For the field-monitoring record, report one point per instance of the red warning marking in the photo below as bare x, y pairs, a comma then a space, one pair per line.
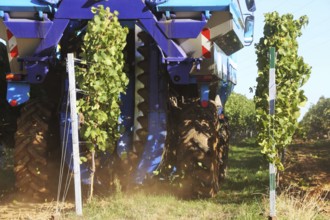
12, 45
206, 43
14, 52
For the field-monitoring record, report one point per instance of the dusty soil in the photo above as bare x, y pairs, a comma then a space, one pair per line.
308, 167
14, 209
307, 170
15, 205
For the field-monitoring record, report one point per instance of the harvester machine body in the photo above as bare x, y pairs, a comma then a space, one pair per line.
193, 41
184, 31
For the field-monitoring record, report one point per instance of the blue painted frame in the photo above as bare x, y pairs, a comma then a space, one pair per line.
53, 22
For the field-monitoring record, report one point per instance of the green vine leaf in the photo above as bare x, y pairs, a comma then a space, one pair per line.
102, 78
291, 72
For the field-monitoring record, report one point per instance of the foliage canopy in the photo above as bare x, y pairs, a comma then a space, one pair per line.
241, 113
291, 72
316, 122
102, 78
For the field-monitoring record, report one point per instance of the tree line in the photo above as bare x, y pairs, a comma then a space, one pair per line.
241, 113
316, 122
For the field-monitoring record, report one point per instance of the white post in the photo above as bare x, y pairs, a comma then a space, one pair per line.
75, 139
272, 168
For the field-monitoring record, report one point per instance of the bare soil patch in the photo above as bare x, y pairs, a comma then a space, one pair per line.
307, 170
30, 210
16, 205
308, 167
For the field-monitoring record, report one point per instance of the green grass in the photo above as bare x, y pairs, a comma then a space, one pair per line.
243, 195
247, 175
142, 206
240, 196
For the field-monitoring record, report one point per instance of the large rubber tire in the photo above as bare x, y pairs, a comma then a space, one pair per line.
198, 159
30, 153
223, 148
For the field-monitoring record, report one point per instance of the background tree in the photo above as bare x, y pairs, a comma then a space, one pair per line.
316, 122
292, 73
241, 113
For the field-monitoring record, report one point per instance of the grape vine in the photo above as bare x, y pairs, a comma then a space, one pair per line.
292, 73
102, 77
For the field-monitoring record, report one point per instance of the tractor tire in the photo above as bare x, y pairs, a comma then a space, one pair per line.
223, 148
30, 153
198, 157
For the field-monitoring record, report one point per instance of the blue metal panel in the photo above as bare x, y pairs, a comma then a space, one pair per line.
181, 28
18, 91
36, 68
194, 5
179, 72
78, 9
48, 44
127, 117
153, 151
25, 6
170, 48
81, 10
28, 28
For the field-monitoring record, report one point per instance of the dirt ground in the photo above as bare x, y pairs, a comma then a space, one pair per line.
307, 170
31, 210
14, 205
307, 167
